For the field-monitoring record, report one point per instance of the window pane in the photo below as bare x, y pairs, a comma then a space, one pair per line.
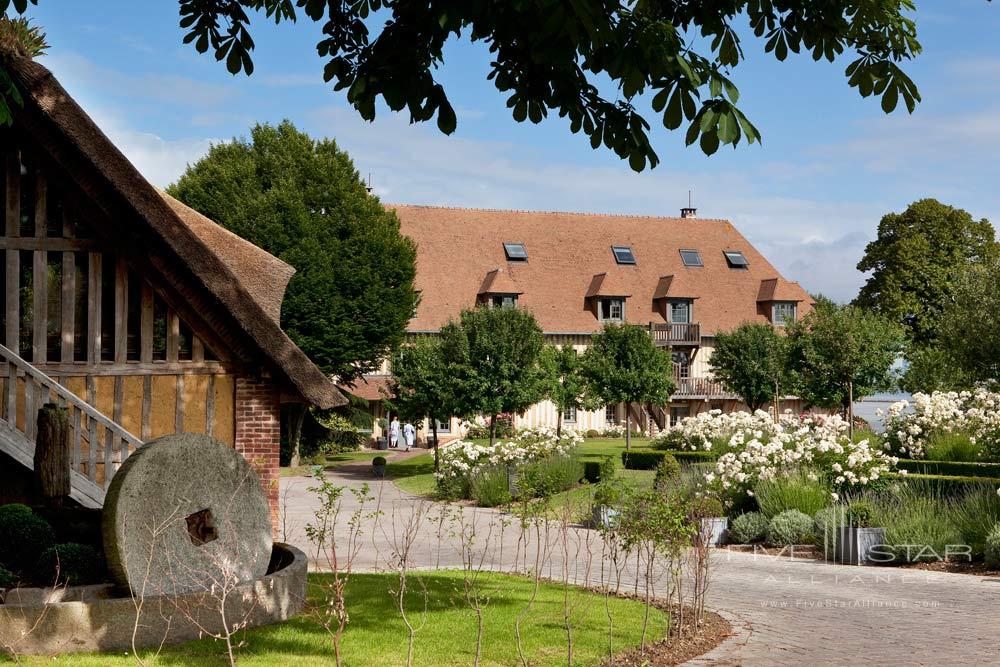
623, 254
691, 258
736, 259
516, 252
27, 222
680, 312
108, 308
80, 306
53, 333
569, 414
159, 330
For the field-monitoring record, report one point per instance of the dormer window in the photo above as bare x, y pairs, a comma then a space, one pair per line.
736, 260
516, 252
503, 301
691, 258
783, 312
679, 312
623, 254
611, 310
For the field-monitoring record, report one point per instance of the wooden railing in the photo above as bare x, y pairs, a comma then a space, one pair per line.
700, 387
675, 334
98, 444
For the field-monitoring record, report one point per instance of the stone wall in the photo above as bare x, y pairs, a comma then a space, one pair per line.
258, 433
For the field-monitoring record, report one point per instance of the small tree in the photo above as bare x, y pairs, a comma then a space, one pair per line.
623, 365
492, 362
420, 383
842, 353
752, 362
970, 323
565, 384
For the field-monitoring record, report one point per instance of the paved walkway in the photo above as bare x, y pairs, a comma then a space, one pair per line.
785, 612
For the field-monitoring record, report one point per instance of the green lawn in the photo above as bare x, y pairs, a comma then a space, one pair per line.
414, 475
329, 461
376, 635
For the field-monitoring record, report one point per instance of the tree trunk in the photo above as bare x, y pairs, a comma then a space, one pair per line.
559, 422
493, 430
52, 454
437, 457
296, 416
850, 408
628, 426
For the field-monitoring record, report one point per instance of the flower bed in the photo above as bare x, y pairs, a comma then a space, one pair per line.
910, 426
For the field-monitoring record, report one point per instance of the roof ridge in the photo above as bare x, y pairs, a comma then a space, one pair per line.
527, 210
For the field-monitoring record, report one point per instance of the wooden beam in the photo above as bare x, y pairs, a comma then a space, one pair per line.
173, 335
147, 407
94, 309
146, 332
92, 441
121, 311
49, 243
40, 306
179, 406
68, 306
13, 299
41, 205
197, 348
111, 369
13, 207
210, 406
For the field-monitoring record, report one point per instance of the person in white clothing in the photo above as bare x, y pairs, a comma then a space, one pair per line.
394, 433
409, 433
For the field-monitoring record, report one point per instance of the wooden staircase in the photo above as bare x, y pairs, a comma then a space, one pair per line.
99, 445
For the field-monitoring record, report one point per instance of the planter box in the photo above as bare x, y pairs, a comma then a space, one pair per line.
854, 545
381, 443
379, 471
605, 517
714, 530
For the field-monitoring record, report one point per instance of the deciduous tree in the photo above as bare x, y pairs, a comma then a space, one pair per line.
752, 362
623, 365
970, 323
420, 385
597, 63
565, 384
492, 360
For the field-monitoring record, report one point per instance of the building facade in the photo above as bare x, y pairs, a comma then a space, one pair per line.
685, 278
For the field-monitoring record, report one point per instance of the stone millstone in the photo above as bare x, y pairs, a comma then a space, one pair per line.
186, 513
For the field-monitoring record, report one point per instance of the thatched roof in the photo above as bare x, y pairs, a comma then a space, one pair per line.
244, 281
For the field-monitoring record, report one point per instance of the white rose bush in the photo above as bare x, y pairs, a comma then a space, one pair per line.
911, 425
753, 447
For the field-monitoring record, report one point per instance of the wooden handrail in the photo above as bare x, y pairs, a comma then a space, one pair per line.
670, 332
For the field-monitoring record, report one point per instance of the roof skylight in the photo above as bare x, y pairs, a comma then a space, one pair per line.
691, 258
516, 252
736, 259
623, 254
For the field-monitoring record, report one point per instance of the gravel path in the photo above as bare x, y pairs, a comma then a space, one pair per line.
785, 612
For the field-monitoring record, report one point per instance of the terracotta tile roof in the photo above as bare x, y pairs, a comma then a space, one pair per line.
610, 283
247, 283
499, 281
779, 289
456, 247
680, 286
369, 387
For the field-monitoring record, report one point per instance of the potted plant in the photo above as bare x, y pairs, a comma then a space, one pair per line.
710, 519
378, 466
609, 496
858, 539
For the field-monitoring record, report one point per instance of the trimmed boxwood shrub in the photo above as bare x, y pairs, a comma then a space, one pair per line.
591, 434
592, 471
790, 527
76, 564
951, 468
992, 551
636, 460
667, 471
692, 456
946, 485
748, 527
378, 461
706, 507
23, 537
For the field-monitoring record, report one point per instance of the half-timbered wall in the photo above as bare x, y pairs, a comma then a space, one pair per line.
82, 314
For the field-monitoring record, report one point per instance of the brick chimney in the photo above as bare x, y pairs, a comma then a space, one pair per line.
689, 212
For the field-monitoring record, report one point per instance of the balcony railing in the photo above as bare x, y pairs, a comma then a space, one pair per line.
675, 334
698, 387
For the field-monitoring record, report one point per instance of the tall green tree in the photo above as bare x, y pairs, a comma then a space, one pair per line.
970, 323
933, 368
303, 201
843, 353
420, 386
493, 362
565, 385
598, 63
752, 362
623, 365
914, 262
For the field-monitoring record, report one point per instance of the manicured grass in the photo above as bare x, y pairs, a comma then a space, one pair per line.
376, 634
414, 475
597, 448
329, 461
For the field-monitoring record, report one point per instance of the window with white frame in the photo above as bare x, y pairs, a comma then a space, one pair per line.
569, 414
611, 414
783, 312
679, 312
443, 426
611, 310
503, 301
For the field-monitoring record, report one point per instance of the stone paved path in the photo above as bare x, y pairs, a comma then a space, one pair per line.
785, 612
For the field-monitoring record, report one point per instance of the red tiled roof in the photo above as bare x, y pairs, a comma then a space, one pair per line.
369, 387
566, 251
779, 289
499, 281
680, 286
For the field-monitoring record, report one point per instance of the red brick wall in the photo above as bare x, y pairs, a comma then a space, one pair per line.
258, 433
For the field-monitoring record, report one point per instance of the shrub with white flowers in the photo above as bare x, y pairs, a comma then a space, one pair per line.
754, 447
461, 458
909, 425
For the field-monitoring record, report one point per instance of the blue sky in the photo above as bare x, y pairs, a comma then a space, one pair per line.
810, 197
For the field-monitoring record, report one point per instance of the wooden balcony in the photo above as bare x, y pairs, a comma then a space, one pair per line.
698, 387
675, 334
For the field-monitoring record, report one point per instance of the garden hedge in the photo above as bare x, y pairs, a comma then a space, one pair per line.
951, 468
649, 460
946, 484
592, 471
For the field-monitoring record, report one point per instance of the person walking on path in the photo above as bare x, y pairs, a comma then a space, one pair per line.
409, 433
394, 433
